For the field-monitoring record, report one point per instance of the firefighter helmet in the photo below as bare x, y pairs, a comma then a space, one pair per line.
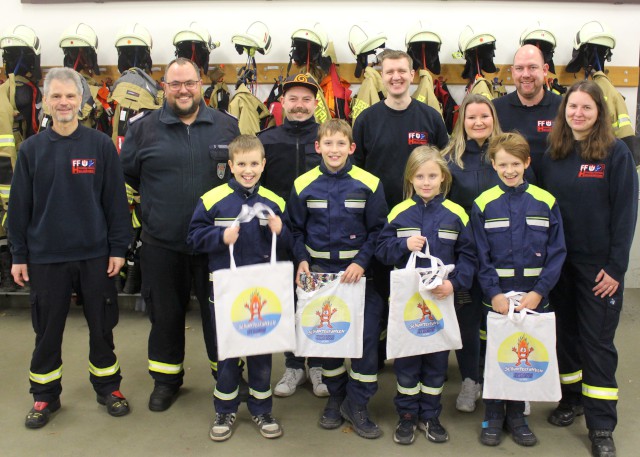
21, 52
79, 44
134, 45
365, 40
469, 39
256, 38
592, 45
423, 45
542, 38
478, 49
20, 36
195, 43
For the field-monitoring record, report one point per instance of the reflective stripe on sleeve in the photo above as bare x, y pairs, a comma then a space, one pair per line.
505, 272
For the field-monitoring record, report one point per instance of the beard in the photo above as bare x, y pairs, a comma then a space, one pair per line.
182, 111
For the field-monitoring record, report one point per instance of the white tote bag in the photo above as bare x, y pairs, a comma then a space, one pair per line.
419, 323
330, 320
254, 310
521, 362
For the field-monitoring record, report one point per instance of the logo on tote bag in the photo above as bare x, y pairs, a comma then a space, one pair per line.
422, 317
523, 358
326, 320
256, 312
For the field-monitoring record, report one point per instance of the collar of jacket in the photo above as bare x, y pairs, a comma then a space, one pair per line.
546, 99
54, 136
299, 127
437, 200
168, 116
514, 190
474, 148
342, 172
246, 193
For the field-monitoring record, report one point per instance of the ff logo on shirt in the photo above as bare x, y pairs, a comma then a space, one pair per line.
83, 166
544, 126
591, 170
418, 138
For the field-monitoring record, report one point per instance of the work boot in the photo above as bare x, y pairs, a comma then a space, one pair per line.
162, 397
565, 414
602, 443
41, 412
331, 417
134, 279
7, 284
115, 402
359, 418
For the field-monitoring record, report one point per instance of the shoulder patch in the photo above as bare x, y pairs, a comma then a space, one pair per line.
364, 177
269, 195
304, 180
488, 196
541, 195
399, 208
457, 210
215, 195
140, 115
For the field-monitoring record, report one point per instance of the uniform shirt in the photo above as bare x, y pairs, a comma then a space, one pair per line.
533, 122
68, 201
290, 151
336, 217
216, 211
444, 224
599, 205
171, 165
385, 137
519, 238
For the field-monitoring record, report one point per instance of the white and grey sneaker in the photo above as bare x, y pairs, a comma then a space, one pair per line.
222, 427
527, 408
319, 388
268, 426
292, 378
469, 394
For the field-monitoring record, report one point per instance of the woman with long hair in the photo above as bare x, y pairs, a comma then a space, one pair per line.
593, 177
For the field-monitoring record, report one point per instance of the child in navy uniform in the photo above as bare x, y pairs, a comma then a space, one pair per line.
518, 232
426, 216
336, 212
210, 231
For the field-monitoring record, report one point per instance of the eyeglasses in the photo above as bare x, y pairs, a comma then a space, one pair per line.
176, 85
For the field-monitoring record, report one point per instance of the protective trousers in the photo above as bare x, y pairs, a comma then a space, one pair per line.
469, 313
51, 288
362, 381
225, 395
167, 277
587, 357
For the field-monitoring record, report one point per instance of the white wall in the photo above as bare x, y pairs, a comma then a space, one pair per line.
505, 21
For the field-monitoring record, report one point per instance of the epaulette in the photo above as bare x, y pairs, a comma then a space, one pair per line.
140, 115
266, 130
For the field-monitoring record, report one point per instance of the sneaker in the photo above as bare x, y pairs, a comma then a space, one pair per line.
602, 444
491, 434
527, 408
469, 394
406, 429
434, 430
319, 388
41, 412
359, 418
115, 402
292, 378
268, 426
565, 414
222, 426
520, 431
331, 417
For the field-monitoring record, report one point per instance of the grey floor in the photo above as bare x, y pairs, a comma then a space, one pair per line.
83, 428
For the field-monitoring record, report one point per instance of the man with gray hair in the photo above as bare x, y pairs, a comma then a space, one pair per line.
69, 229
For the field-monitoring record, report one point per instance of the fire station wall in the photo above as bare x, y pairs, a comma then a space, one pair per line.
505, 20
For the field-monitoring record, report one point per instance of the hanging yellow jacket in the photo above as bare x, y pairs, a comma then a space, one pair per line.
620, 119
368, 94
220, 91
483, 87
248, 109
322, 112
425, 93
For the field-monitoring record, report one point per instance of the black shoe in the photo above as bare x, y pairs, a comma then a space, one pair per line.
491, 434
41, 412
115, 402
162, 397
359, 418
434, 430
520, 431
565, 414
243, 390
406, 429
602, 443
331, 417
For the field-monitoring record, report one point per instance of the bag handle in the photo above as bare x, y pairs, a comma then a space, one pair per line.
433, 276
247, 213
514, 300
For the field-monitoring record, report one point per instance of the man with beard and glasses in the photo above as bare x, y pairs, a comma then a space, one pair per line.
69, 230
290, 152
172, 156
